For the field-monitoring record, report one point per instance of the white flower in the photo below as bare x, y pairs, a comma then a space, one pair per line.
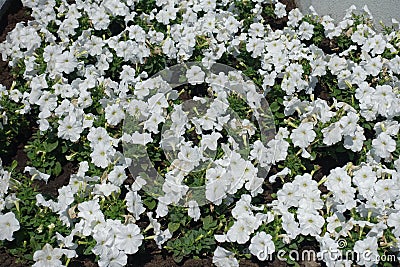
349, 123
241, 229
98, 136
335, 221
394, 221
156, 103
194, 210
210, 140
50, 257
138, 138
306, 30
224, 258
303, 135
66, 62
128, 238
117, 176
337, 177
310, 224
367, 249
337, 64
105, 189
262, 246
280, 10
257, 30
215, 192
8, 225
256, 46
195, 75
69, 128
383, 145
152, 123
166, 14
373, 66
243, 207
290, 225
365, 179
114, 114
37, 174
99, 156
355, 143
113, 257
90, 210
277, 151
289, 194
134, 204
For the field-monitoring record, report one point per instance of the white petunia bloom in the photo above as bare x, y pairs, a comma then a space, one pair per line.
242, 229
49, 256
262, 246
37, 174
194, 210
367, 249
134, 204
280, 10
128, 238
114, 114
303, 135
195, 75
8, 225
224, 258
70, 128
383, 145
113, 257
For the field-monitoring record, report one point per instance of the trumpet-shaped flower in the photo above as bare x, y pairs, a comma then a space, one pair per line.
8, 225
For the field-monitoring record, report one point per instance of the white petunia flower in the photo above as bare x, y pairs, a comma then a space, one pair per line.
134, 204
303, 135
224, 258
195, 75
113, 257
128, 238
280, 10
194, 210
37, 174
262, 246
383, 145
8, 225
49, 256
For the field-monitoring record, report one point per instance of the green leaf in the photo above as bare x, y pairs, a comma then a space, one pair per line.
51, 146
173, 226
150, 203
88, 251
177, 257
209, 223
14, 164
274, 107
57, 169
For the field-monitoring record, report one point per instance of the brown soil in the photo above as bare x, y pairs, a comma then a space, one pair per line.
52, 186
6, 260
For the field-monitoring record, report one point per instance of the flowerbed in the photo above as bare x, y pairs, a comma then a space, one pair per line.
237, 131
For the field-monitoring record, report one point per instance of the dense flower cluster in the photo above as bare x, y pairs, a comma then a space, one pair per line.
82, 68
